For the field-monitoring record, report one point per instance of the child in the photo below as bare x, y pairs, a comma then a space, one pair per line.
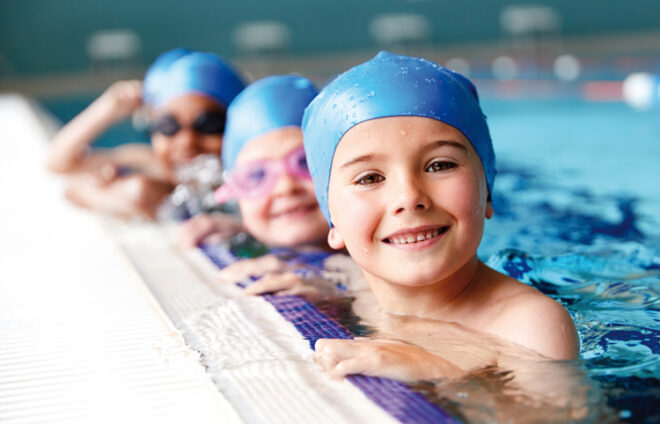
266, 172
403, 168
186, 94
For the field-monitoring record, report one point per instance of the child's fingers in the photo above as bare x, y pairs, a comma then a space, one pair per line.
234, 272
271, 283
326, 361
242, 269
339, 349
192, 231
356, 365
342, 357
307, 292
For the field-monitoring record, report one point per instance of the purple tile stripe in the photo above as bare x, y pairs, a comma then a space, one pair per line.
396, 398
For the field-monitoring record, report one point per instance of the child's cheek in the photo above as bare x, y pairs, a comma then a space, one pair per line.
358, 216
255, 215
470, 202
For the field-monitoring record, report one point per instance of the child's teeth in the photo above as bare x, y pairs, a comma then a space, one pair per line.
414, 238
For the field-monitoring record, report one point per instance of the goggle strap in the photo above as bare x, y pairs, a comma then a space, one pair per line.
224, 193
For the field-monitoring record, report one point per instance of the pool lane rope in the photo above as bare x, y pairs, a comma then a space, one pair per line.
397, 399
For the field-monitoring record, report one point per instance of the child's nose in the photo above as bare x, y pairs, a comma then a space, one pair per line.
186, 143
409, 196
287, 184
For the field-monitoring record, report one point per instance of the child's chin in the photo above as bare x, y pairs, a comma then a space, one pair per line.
296, 237
409, 278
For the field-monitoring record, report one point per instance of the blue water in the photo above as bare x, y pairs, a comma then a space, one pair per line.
578, 216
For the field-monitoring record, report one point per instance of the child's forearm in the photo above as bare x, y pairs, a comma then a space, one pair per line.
69, 144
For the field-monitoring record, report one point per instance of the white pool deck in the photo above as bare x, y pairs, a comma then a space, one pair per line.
105, 321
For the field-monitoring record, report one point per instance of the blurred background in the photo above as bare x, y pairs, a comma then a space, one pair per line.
65, 48
560, 80
570, 87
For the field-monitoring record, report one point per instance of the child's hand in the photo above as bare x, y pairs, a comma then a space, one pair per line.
207, 228
239, 271
289, 283
381, 358
121, 99
143, 194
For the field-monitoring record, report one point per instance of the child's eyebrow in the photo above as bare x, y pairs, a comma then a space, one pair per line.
363, 158
442, 143
431, 146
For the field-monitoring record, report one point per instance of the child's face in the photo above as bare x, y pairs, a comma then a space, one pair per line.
187, 126
289, 214
398, 179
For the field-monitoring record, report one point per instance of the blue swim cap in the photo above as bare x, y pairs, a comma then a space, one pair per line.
385, 86
182, 71
268, 104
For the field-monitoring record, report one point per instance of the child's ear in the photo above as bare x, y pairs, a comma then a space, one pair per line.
335, 240
489, 210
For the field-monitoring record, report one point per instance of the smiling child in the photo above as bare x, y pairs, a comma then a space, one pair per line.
186, 94
403, 168
266, 173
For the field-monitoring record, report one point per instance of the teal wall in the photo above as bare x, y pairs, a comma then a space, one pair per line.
48, 36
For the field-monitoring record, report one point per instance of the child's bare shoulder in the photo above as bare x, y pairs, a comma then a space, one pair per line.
534, 320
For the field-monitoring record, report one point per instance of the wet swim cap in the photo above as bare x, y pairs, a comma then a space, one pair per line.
385, 86
268, 104
182, 71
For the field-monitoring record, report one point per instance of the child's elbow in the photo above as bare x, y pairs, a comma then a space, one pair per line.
57, 165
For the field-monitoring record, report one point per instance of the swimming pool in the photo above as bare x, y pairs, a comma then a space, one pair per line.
577, 216
577, 213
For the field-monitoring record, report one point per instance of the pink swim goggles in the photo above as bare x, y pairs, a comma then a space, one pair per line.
257, 179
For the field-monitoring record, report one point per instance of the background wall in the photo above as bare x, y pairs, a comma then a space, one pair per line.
40, 37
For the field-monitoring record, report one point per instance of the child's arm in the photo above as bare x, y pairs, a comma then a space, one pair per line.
539, 323
382, 358
67, 151
240, 270
132, 195
207, 228
277, 276
313, 289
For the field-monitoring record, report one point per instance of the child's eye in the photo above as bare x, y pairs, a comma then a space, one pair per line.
369, 179
439, 166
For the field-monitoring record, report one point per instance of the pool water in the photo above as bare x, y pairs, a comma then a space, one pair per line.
577, 208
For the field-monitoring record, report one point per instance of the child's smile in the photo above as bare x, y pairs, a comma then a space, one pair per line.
295, 210
408, 199
416, 238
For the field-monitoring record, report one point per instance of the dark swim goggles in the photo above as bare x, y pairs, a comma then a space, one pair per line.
209, 122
